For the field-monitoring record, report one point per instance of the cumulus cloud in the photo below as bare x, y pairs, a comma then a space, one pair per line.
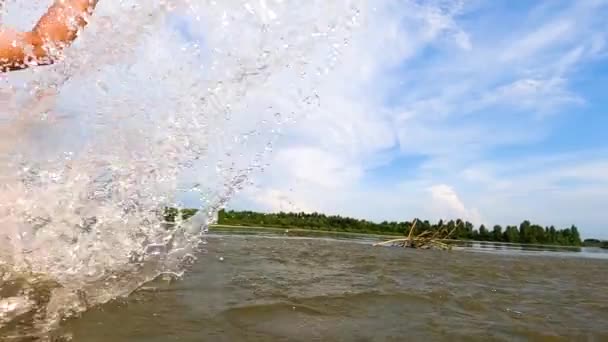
277, 200
318, 168
446, 203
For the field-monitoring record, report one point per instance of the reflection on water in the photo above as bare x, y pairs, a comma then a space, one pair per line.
513, 248
477, 246
271, 288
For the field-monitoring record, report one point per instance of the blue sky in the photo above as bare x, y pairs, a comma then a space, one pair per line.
493, 111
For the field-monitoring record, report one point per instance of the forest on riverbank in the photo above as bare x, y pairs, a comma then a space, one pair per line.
525, 232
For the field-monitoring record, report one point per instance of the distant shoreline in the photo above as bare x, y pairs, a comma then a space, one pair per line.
299, 229
526, 233
379, 236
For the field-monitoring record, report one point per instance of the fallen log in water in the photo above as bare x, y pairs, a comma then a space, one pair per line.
425, 240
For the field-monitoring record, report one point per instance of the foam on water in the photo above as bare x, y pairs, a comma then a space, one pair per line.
155, 102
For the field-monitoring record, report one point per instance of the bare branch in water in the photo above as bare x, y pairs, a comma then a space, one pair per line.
425, 240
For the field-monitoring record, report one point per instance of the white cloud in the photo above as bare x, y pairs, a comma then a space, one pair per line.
534, 95
561, 189
447, 204
276, 200
317, 167
540, 39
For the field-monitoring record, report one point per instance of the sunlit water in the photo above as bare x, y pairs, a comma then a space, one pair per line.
156, 101
281, 287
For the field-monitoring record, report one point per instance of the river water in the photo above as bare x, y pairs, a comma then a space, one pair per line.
269, 287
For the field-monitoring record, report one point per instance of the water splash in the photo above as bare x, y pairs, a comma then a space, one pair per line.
155, 103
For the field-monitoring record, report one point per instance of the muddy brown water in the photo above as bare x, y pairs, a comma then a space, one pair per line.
272, 288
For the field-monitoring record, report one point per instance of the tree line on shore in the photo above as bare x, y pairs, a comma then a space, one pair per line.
526, 232
595, 243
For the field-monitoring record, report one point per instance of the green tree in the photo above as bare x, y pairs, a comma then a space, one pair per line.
552, 235
575, 238
511, 234
484, 234
497, 233
468, 230
538, 233
525, 233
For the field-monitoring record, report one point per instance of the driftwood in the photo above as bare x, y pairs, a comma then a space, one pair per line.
425, 240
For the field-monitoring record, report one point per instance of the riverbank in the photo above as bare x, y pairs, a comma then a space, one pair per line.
526, 232
294, 230
380, 237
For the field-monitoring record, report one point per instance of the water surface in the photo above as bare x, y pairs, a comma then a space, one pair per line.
273, 288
